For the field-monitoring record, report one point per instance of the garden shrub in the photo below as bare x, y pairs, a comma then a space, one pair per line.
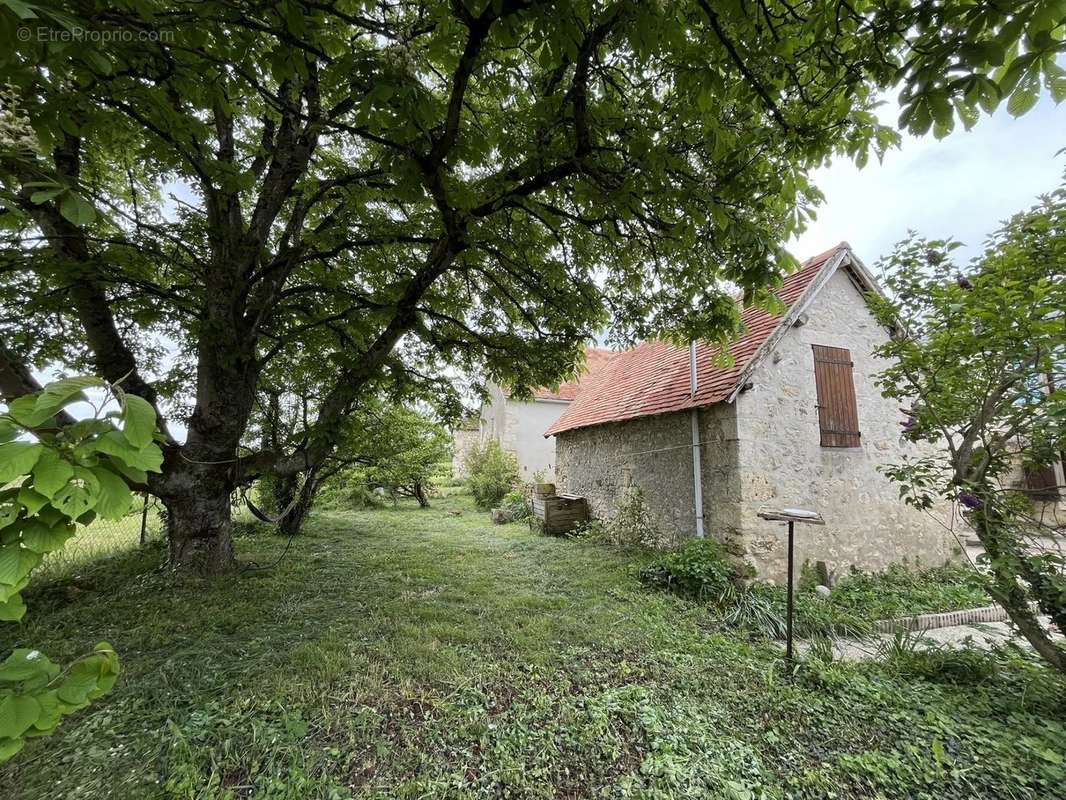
903, 591
632, 525
909, 654
516, 504
491, 473
700, 569
704, 570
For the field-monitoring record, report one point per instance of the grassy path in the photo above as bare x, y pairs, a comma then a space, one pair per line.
419, 654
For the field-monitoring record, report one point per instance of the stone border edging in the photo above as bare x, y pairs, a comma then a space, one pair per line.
945, 619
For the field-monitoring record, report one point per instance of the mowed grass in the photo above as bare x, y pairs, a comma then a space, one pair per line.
407, 653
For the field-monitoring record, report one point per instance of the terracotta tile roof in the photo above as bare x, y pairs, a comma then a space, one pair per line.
595, 358
653, 378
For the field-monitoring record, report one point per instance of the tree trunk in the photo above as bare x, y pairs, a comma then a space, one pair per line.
294, 504
1008, 565
420, 495
198, 528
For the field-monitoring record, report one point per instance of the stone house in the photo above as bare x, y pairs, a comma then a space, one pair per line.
519, 425
796, 421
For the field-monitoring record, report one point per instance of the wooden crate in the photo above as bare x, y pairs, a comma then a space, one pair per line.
560, 514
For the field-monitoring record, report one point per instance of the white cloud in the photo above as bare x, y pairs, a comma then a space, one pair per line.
961, 186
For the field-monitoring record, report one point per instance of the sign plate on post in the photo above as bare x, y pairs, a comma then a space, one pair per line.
791, 516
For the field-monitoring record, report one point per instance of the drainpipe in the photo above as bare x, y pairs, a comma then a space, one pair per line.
697, 471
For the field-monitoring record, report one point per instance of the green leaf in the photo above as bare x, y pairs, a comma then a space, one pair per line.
16, 563
13, 609
1025, 95
8, 430
25, 664
90, 677
31, 500
59, 393
115, 497
22, 410
9, 512
114, 443
76, 209
9, 747
44, 195
79, 495
51, 473
17, 714
17, 459
40, 538
51, 711
138, 419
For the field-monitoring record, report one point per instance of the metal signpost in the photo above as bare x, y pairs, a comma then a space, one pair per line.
791, 516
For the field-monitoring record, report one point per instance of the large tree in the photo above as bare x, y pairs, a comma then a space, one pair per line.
217, 183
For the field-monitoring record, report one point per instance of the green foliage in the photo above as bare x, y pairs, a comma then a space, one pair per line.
982, 371
910, 654
63, 476
901, 591
389, 447
633, 526
516, 503
700, 569
491, 473
651, 157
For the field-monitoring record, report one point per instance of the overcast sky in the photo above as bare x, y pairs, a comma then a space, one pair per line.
961, 186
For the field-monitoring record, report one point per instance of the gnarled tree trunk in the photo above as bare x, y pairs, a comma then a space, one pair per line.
198, 529
294, 502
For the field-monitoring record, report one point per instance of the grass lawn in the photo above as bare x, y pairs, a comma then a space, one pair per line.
408, 653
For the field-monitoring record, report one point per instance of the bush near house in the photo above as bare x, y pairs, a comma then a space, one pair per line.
703, 570
491, 473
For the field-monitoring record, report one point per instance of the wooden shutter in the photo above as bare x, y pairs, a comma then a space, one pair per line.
838, 414
1042, 483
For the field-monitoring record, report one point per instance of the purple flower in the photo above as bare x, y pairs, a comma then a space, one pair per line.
970, 500
907, 424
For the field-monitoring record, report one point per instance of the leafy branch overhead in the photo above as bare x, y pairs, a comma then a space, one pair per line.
427, 188
56, 478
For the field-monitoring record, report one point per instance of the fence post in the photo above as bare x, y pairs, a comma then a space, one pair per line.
144, 520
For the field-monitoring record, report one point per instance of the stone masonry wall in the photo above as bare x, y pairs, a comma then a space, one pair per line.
783, 464
655, 454
599, 463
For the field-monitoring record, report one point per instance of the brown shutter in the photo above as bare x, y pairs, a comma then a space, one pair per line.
1042, 483
838, 413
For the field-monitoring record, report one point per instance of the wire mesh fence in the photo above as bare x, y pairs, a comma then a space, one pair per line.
102, 538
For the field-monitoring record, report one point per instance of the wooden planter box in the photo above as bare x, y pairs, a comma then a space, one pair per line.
544, 490
560, 514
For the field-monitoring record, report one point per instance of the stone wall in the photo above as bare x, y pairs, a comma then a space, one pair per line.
599, 463
463, 441
654, 454
783, 463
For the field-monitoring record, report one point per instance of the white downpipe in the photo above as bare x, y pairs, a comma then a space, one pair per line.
697, 470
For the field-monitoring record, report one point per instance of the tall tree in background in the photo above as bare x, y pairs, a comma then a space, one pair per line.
476, 184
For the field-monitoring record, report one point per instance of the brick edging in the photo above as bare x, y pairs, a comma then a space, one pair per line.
945, 619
